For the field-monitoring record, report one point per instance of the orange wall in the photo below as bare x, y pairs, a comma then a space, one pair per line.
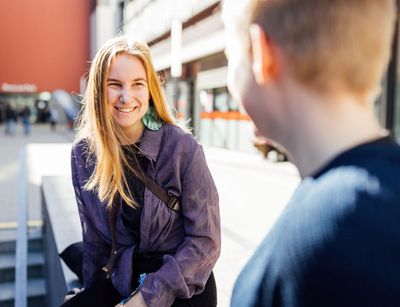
44, 42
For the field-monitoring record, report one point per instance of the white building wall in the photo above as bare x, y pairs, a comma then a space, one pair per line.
200, 40
146, 19
103, 23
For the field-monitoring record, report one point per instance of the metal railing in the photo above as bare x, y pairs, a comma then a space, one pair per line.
21, 277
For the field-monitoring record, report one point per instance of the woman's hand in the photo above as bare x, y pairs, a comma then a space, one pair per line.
72, 293
135, 301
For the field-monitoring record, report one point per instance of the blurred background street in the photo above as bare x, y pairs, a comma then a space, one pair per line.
252, 191
47, 47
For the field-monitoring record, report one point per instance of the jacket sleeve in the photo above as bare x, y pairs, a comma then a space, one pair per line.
185, 274
95, 250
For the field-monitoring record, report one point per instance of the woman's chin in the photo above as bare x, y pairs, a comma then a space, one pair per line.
129, 124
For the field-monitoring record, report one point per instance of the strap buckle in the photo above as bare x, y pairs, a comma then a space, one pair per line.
173, 204
106, 270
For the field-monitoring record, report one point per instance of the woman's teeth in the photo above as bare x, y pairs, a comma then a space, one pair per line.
125, 110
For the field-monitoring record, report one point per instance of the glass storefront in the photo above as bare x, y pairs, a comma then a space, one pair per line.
222, 122
396, 107
396, 128
178, 94
387, 106
36, 103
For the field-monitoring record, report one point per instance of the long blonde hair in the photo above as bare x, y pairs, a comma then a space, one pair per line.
97, 127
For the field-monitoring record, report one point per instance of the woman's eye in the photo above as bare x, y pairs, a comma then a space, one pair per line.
138, 84
113, 84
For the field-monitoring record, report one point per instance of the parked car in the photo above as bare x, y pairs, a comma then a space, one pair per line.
269, 149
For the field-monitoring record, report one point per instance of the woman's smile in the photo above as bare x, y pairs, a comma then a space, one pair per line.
125, 109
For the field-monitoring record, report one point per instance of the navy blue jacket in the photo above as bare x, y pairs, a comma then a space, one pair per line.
337, 242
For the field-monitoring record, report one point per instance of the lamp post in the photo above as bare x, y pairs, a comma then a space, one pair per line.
176, 60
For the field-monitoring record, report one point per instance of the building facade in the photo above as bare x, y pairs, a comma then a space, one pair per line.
199, 91
187, 44
45, 47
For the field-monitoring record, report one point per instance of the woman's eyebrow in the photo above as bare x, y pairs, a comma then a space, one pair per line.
134, 80
139, 79
112, 80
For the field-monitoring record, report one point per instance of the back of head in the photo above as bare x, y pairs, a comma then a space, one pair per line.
331, 45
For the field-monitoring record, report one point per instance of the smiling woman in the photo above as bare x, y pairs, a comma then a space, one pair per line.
122, 77
156, 248
128, 94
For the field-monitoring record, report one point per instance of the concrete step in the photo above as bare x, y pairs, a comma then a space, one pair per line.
7, 266
35, 244
35, 301
8, 247
36, 293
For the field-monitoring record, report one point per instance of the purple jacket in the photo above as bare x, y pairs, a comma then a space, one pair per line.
192, 240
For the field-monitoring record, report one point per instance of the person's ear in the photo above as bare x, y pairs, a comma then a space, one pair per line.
264, 59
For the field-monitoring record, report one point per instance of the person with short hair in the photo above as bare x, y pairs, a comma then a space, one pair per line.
308, 73
138, 249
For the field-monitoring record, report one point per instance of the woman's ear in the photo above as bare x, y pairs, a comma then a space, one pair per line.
264, 59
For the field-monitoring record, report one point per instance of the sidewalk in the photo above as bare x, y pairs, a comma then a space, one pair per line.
10, 147
253, 192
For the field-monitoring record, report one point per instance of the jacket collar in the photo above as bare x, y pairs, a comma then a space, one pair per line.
150, 143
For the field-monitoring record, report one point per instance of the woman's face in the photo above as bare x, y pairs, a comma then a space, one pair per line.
127, 92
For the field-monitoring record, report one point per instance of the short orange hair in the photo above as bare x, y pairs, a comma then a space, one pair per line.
331, 44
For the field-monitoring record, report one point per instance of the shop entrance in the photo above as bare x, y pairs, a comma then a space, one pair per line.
37, 103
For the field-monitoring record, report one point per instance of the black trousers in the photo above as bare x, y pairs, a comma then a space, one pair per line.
103, 293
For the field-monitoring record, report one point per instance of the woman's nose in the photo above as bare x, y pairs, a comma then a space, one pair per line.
125, 96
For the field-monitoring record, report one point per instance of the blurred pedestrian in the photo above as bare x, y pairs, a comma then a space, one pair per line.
144, 191
308, 73
70, 122
11, 119
53, 118
25, 116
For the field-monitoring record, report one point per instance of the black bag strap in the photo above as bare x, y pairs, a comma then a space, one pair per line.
112, 219
171, 201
